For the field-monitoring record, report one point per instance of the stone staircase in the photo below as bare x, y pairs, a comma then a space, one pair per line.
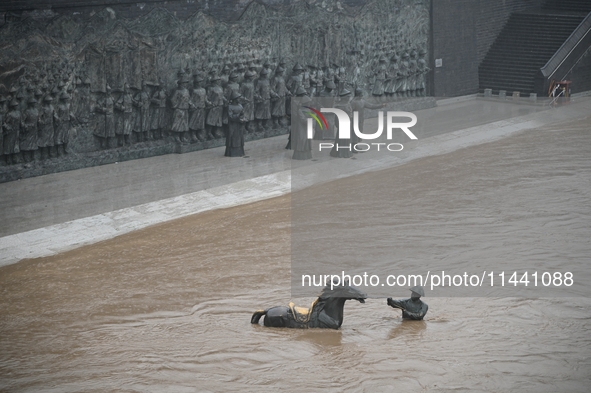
526, 43
567, 6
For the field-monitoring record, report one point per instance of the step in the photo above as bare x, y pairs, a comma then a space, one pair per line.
518, 37
534, 33
555, 23
501, 79
525, 47
543, 16
514, 78
515, 61
526, 36
522, 78
530, 74
509, 71
525, 50
506, 81
508, 68
506, 75
520, 52
513, 81
566, 5
582, 10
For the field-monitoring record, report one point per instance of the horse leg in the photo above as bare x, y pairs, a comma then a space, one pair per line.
257, 316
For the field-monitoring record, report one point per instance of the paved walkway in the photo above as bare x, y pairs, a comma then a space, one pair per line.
54, 213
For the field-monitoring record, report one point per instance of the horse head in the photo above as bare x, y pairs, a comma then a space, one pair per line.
345, 291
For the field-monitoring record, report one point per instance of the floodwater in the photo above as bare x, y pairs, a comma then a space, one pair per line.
167, 309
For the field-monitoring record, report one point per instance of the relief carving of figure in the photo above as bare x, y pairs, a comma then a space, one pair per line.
63, 124
105, 129
225, 76
380, 74
3, 110
47, 118
319, 81
328, 98
217, 101
306, 83
263, 100
158, 119
230, 87
313, 75
11, 129
329, 75
239, 70
393, 75
422, 70
82, 100
267, 66
29, 131
22, 93
142, 122
180, 104
293, 84
197, 112
340, 78
278, 102
124, 124
247, 92
412, 73
404, 73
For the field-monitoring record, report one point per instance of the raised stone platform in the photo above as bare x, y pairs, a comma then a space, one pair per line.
152, 148
403, 104
136, 151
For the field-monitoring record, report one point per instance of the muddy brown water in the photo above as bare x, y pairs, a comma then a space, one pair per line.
167, 309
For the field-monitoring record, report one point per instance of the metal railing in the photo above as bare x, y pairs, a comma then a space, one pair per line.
567, 56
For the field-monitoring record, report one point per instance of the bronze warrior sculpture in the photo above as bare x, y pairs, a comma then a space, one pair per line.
413, 308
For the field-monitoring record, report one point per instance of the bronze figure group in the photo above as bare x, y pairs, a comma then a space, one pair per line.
327, 310
35, 119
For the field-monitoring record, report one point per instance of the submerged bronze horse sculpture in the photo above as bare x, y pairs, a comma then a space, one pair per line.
325, 312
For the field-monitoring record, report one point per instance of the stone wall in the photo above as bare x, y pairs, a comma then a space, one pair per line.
463, 31
96, 52
221, 10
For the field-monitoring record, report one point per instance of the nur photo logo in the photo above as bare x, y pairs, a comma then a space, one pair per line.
350, 134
